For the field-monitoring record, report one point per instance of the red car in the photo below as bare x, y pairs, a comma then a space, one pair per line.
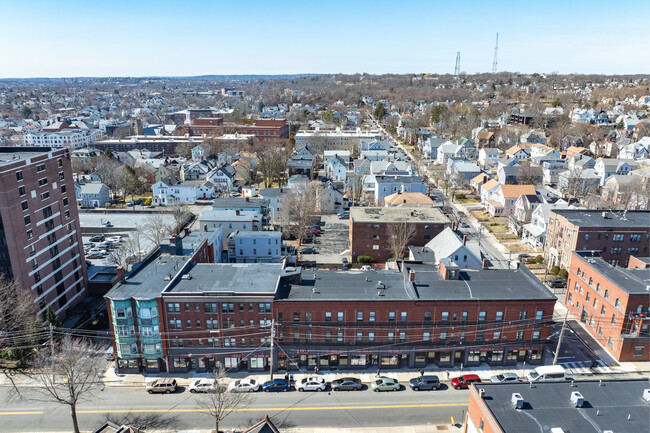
463, 382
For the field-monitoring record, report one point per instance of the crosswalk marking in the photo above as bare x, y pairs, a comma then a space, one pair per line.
584, 367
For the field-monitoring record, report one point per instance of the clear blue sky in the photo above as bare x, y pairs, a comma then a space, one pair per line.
192, 37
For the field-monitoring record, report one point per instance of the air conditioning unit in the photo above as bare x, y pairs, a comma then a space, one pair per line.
577, 399
517, 400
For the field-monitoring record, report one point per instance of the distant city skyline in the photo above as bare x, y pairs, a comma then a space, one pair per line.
72, 38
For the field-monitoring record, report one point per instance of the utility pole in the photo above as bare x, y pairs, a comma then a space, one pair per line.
559, 341
271, 354
457, 68
52, 349
494, 63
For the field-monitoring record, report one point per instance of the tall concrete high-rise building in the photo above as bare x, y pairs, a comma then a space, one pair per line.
40, 235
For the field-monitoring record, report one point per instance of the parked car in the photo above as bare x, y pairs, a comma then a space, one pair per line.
505, 377
462, 382
130, 203
344, 261
98, 238
94, 256
311, 384
243, 385
89, 245
343, 215
276, 385
308, 251
366, 268
424, 382
203, 385
556, 284
165, 386
115, 239
107, 224
385, 384
105, 244
346, 384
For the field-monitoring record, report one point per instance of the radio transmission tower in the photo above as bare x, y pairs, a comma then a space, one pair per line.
457, 69
496, 49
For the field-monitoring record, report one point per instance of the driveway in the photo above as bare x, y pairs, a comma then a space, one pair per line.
334, 240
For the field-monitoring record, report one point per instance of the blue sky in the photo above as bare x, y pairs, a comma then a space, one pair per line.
191, 37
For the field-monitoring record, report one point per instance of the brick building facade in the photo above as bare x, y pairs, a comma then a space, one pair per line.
40, 236
618, 235
370, 228
612, 302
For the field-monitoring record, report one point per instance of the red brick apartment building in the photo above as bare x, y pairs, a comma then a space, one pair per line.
618, 235
612, 302
264, 130
370, 228
40, 236
176, 315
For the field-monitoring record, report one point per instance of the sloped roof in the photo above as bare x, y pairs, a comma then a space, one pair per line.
408, 198
512, 191
264, 426
490, 184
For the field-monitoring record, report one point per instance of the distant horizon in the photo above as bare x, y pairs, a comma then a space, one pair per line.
162, 38
309, 74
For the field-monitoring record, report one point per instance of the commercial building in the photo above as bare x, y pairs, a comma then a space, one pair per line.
166, 145
74, 138
618, 235
371, 228
40, 236
612, 302
619, 406
179, 313
336, 140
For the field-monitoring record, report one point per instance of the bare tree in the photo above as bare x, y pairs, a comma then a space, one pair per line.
399, 237
272, 163
528, 174
69, 376
577, 185
156, 228
180, 215
18, 316
221, 402
298, 208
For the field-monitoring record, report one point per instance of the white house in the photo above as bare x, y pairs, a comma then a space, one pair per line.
198, 153
248, 246
230, 220
449, 245
488, 157
275, 197
449, 150
336, 169
170, 195
222, 177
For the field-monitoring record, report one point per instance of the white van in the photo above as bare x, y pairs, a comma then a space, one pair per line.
548, 373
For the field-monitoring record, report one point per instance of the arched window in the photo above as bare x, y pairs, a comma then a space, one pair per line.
606, 294
598, 288
617, 303
591, 280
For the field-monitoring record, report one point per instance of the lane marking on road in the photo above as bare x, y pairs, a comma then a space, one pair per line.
268, 409
22, 413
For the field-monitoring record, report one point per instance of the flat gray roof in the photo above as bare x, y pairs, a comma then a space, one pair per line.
594, 218
240, 278
548, 405
416, 214
429, 285
632, 281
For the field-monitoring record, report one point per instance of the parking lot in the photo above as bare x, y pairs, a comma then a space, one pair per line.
334, 240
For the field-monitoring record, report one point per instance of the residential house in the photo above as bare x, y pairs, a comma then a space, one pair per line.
362, 166
249, 246
533, 136
465, 169
605, 168
505, 197
93, 194
507, 174
387, 185
174, 194
534, 232
275, 197
488, 157
430, 147
571, 141
468, 146
449, 150
223, 177
539, 152
230, 220
619, 189
518, 152
551, 171
486, 138
196, 170
337, 169
198, 153
489, 189
638, 150
303, 165
449, 245
376, 155
391, 168
575, 150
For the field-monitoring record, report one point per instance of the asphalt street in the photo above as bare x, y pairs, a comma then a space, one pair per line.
291, 409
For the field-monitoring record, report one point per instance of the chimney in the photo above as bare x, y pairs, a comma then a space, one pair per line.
248, 199
236, 211
464, 239
205, 227
281, 191
411, 275
187, 232
120, 273
604, 215
485, 263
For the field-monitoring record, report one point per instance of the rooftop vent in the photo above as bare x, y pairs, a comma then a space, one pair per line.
168, 277
646, 395
380, 285
481, 392
577, 399
380, 293
186, 277
517, 400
